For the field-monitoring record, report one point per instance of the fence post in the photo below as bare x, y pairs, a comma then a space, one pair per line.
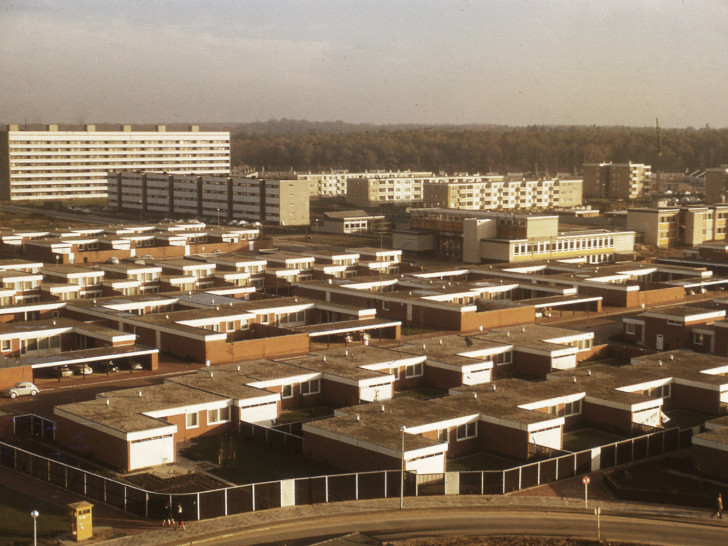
146, 505
226, 495
503, 480
253, 496
538, 473
356, 486
125, 498
84, 483
48, 470
520, 477
326, 481
385, 484
198, 506
632, 459
65, 480
104, 490
482, 481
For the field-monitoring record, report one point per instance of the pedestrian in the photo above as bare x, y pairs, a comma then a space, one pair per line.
718, 507
180, 520
167, 516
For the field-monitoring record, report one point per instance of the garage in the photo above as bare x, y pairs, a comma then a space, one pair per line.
146, 452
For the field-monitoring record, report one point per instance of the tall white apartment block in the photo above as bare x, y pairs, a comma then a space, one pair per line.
53, 164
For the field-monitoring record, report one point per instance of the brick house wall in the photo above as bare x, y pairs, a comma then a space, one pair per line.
85, 440
694, 399
614, 419
345, 456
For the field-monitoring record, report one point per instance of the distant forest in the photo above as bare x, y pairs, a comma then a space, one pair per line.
282, 145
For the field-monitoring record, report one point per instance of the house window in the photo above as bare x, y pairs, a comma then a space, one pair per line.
630, 328
674, 322
698, 338
443, 435
5, 345
220, 415
572, 408
467, 431
385, 306
191, 420
287, 391
395, 373
415, 370
230, 326
311, 387
503, 358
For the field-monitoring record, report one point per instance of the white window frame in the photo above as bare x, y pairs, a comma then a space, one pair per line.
467, 431
192, 416
630, 328
414, 370
219, 415
311, 387
283, 391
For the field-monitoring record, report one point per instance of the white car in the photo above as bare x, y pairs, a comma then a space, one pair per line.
83, 369
22, 389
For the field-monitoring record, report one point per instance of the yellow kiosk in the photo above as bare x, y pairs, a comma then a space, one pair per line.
81, 520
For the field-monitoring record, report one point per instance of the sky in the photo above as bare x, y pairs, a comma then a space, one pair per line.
506, 62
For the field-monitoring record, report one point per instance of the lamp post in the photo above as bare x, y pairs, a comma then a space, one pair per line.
218, 217
141, 204
34, 514
401, 475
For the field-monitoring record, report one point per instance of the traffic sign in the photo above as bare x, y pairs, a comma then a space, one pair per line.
586, 480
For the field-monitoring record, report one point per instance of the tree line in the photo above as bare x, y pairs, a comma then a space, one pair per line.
282, 145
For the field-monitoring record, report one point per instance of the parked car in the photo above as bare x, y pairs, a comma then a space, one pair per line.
135, 365
107, 367
24, 388
83, 369
62, 371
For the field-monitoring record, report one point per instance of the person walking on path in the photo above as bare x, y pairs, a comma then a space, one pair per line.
718, 507
167, 516
181, 521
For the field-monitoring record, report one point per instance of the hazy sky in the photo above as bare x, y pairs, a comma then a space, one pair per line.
515, 62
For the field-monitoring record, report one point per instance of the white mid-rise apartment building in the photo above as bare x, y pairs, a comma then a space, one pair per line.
334, 183
221, 198
53, 164
497, 193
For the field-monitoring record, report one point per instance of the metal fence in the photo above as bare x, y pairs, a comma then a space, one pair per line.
342, 487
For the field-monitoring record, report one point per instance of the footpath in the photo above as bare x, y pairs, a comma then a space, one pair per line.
116, 528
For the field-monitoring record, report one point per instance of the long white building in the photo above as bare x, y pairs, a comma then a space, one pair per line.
283, 202
53, 164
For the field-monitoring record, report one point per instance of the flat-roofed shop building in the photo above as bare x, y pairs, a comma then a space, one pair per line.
53, 164
477, 237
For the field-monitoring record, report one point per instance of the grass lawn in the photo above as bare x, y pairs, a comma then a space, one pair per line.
588, 438
16, 525
480, 461
255, 462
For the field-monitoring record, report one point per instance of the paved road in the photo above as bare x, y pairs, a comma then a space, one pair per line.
442, 516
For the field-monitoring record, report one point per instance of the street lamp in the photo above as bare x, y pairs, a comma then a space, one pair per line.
401, 474
34, 514
218, 217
